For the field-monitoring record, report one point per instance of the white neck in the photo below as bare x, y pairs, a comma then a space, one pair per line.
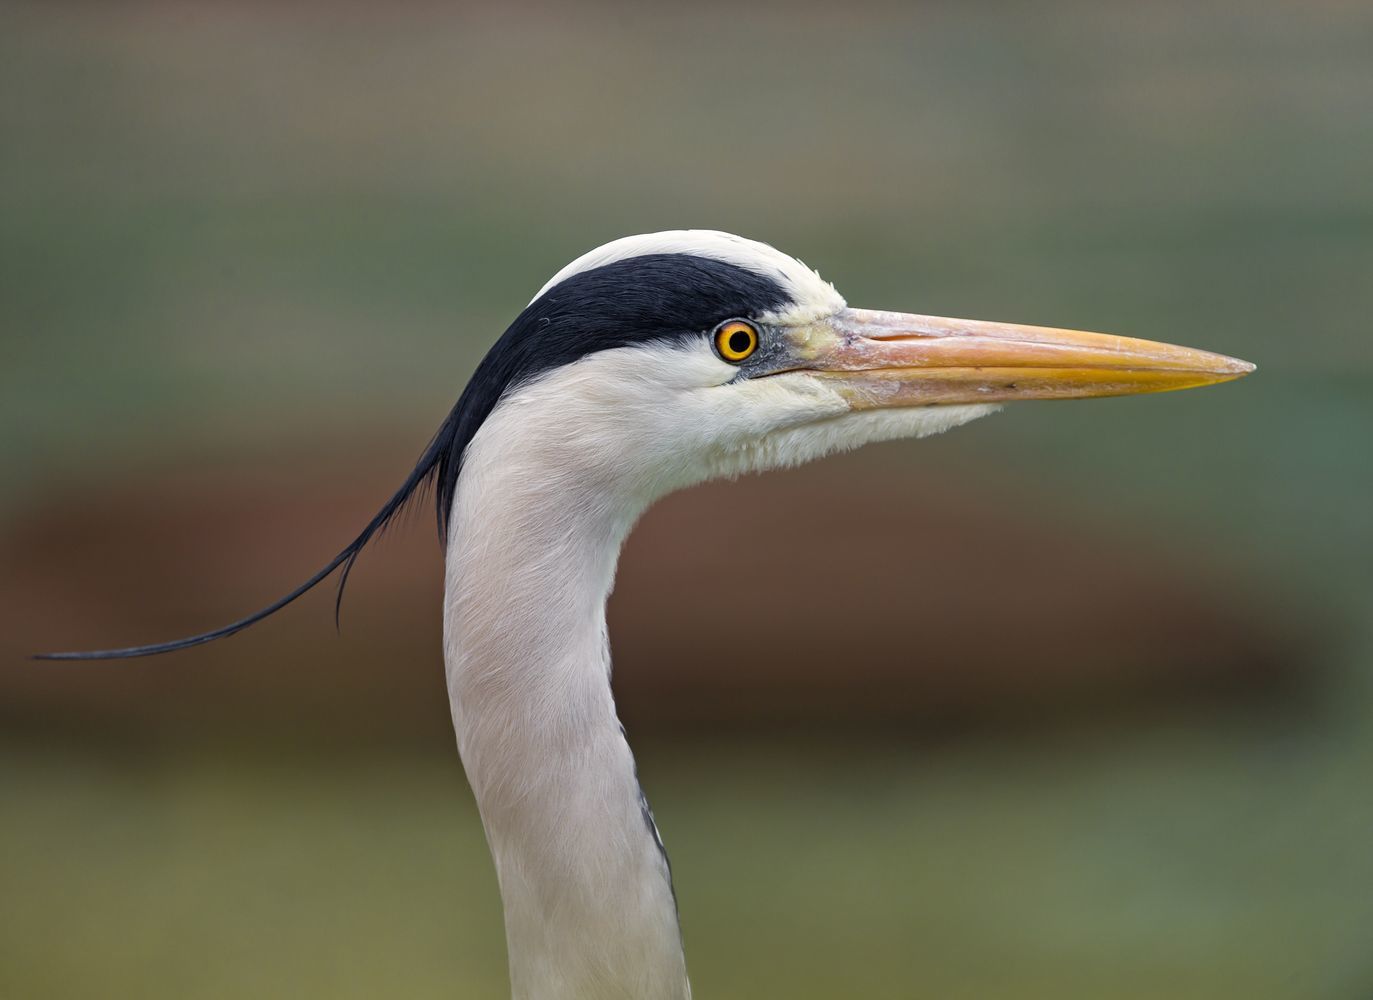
550, 486
534, 539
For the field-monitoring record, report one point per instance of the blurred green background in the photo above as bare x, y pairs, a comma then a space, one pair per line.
1106, 726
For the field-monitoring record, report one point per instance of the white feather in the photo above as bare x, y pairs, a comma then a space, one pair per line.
551, 486
814, 297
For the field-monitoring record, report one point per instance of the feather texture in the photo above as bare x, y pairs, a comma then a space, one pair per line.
622, 301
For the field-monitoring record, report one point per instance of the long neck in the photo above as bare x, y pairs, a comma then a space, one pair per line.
589, 908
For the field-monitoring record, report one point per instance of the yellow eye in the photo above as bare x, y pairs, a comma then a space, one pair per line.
736, 340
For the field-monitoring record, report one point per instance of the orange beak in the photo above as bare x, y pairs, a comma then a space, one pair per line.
888, 359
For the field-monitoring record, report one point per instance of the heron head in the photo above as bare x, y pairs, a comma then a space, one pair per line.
658, 361
675, 357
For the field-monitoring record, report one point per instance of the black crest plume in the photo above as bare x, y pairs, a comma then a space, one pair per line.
432, 463
652, 297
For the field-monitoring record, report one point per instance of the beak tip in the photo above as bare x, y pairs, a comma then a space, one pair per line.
1224, 367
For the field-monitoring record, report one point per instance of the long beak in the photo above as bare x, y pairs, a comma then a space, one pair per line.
885, 359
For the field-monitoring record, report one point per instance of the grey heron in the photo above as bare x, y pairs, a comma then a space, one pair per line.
645, 366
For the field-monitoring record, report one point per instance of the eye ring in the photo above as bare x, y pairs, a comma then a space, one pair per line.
736, 340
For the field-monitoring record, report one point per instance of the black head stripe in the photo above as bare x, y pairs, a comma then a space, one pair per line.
650, 298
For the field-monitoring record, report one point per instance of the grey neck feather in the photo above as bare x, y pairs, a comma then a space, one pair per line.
589, 908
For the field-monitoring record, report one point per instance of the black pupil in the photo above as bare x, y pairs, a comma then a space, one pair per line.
739, 341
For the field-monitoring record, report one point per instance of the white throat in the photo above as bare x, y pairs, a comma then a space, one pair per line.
535, 536
550, 487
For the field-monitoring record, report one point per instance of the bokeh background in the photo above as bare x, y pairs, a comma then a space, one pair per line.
1073, 702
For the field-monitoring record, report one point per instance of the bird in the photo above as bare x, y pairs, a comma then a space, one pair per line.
647, 365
